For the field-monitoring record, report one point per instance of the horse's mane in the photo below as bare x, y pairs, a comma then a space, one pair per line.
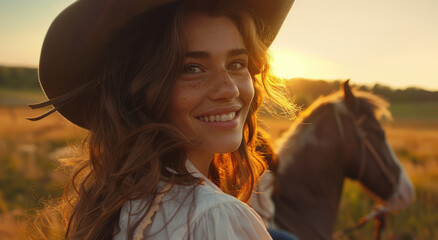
366, 101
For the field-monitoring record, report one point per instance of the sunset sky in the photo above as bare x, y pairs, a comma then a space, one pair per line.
389, 42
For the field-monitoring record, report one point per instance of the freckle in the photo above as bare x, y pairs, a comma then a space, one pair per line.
197, 85
228, 83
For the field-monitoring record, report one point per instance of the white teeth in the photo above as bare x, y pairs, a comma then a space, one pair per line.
218, 118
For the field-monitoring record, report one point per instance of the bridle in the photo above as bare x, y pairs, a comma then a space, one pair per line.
365, 144
380, 211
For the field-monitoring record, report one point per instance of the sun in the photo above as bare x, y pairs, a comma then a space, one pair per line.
286, 64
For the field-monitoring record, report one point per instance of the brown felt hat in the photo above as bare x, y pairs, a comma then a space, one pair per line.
73, 50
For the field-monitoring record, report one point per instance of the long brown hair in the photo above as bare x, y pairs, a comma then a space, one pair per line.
131, 146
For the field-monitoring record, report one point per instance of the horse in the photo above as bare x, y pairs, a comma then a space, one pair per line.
338, 136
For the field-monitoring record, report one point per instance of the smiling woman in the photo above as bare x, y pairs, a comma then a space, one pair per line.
212, 96
170, 98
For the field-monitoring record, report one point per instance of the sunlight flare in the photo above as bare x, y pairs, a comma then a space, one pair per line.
286, 64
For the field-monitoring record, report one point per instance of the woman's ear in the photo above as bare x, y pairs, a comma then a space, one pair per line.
349, 99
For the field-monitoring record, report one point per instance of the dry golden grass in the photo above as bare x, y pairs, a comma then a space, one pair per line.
13, 123
417, 148
416, 145
9, 226
28, 149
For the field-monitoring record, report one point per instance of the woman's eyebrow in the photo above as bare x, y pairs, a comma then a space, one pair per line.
237, 51
204, 54
198, 54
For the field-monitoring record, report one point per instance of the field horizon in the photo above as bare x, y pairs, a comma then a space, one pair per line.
30, 152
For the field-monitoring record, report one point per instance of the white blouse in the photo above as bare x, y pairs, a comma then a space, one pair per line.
204, 213
261, 199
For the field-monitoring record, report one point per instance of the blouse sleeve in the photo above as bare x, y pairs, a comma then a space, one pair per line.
229, 220
261, 200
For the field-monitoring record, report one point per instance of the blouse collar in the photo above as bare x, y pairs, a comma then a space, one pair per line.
196, 173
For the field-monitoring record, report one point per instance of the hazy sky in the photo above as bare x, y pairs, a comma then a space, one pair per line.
375, 41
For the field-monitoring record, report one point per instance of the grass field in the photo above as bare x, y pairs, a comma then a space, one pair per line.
417, 112
29, 153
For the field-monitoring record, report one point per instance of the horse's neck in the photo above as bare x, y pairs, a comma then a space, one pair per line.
311, 179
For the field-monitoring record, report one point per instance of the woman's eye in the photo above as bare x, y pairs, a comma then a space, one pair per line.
192, 69
237, 65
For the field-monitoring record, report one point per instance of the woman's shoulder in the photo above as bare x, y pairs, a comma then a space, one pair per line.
221, 216
198, 211
201, 199
204, 210
221, 206
225, 217
208, 196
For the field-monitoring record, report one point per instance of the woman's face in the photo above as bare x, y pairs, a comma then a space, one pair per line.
212, 95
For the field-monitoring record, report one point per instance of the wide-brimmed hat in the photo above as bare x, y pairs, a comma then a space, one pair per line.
74, 47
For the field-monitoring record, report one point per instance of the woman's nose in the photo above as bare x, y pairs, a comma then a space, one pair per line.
224, 86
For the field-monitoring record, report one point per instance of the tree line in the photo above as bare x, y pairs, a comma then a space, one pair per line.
304, 90
19, 78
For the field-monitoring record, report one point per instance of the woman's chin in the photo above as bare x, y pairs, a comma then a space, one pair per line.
227, 149
218, 145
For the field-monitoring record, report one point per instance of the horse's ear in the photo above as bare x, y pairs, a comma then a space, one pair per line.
350, 100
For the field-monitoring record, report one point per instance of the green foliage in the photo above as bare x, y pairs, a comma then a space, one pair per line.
18, 78
419, 111
410, 94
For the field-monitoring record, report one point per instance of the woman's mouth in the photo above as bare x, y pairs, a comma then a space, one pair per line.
225, 117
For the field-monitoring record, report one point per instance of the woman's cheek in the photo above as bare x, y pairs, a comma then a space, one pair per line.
247, 90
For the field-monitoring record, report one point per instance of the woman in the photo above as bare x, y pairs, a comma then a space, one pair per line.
169, 92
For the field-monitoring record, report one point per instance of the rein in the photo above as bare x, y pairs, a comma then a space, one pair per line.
379, 212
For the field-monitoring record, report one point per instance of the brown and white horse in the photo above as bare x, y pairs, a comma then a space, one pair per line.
338, 136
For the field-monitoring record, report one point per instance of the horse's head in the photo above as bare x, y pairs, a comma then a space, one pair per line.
366, 152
